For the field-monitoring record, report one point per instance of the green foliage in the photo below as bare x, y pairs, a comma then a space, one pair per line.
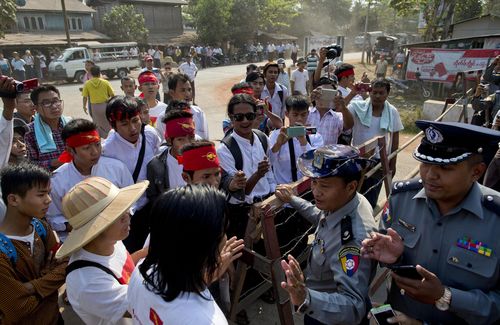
123, 23
274, 15
7, 15
211, 19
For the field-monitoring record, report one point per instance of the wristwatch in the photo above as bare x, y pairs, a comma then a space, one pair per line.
443, 303
305, 305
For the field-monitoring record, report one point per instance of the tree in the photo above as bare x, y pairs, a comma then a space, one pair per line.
211, 18
7, 15
123, 23
274, 15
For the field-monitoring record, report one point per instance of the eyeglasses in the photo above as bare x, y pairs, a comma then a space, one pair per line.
55, 103
240, 116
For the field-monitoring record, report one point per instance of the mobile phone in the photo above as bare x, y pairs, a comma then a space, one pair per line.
295, 131
382, 313
311, 130
362, 86
406, 271
328, 94
30, 84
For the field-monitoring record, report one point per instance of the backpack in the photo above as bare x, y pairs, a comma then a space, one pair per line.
8, 248
235, 150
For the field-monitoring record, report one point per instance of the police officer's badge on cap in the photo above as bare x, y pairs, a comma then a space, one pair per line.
453, 142
332, 160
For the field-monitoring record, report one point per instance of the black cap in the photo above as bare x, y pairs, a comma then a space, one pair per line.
453, 142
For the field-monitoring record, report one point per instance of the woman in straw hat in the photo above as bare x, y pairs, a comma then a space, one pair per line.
187, 236
100, 267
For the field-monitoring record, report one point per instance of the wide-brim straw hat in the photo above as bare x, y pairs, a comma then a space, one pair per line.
91, 206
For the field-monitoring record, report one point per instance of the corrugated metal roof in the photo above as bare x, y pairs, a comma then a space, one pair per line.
48, 38
55, 6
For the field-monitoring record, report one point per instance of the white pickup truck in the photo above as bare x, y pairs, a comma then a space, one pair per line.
114, 59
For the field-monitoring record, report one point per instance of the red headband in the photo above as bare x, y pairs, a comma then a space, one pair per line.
199, 159
346, 73
120, 115
147, 77
78, 140
179, 127
248, 91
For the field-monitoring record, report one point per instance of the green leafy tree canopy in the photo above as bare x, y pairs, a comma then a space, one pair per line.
7, 15
123, 23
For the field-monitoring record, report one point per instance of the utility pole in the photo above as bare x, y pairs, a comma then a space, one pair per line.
66, 23
366, 33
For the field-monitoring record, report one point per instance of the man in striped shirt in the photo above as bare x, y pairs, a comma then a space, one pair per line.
329, 116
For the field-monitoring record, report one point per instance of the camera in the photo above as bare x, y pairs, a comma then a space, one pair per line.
333, 51
23, 86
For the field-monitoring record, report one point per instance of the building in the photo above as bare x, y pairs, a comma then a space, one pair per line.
479, 26
163, 18
40, 23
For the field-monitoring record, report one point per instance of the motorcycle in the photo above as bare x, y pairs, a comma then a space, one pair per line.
409, 88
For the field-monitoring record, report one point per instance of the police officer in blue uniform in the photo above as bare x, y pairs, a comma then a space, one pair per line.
448, 226
334, 287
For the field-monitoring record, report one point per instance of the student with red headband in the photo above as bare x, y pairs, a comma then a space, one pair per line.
134, 144
346, 77
82, 159
164, 171
149, 85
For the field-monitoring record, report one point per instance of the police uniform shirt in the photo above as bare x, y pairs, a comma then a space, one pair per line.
461, 248
337, 278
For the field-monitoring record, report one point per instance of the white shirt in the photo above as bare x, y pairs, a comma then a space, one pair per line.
67, 176
300, 79
200, 123
278, 105
361, 133
346, 91
174, 172
117, 147
251, 154
95, 295
186, 309
154, 112
281, 160
189, 69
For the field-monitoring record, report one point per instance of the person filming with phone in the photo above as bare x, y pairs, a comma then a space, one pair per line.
440, 233
329, 114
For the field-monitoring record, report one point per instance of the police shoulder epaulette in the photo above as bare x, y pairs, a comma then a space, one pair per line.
492, 202
405, 186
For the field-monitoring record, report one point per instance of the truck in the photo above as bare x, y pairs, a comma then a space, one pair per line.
386, 46
114, 59
372, 38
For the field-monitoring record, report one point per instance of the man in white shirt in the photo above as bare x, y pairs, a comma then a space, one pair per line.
165, 171
329, 115
180, 89
82, 159
149, 86
191, 70
299, 78
372, 118
125, 142
251, 165
273, 92
345, 76
286, 150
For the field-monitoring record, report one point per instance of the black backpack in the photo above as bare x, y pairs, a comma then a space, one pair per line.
235, 150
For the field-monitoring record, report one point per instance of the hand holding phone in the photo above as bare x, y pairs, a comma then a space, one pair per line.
382, 313
406, 271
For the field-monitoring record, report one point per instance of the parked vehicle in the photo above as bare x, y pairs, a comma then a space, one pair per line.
386, 46
360, 39
114, 59
409, 88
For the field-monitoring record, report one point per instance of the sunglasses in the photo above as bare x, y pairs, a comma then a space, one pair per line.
240, 116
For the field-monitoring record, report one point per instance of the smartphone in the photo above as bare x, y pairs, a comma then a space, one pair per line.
311, 130
382, 313
365, 87
407, 271
328, 94
295, 131
30, 84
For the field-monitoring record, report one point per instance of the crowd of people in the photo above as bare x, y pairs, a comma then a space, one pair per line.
143, 217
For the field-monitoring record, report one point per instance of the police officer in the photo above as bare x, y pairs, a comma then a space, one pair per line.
448, 226
334, 288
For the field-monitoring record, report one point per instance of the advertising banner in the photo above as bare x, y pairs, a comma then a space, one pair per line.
441, 65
